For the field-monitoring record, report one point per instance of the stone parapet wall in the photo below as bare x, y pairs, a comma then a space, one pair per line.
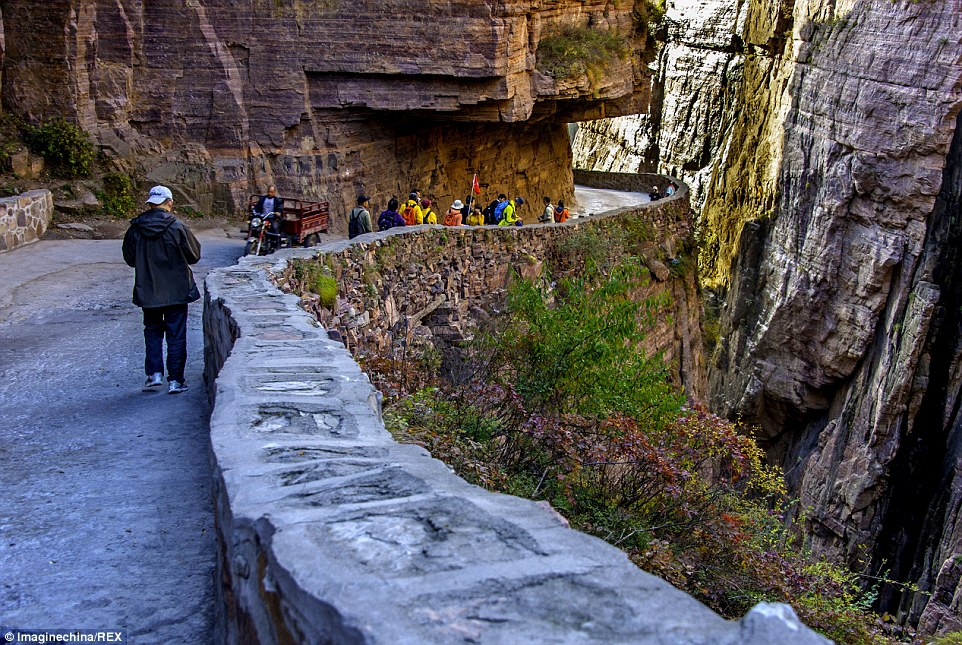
24, 218
329, 531
640, 182
404, 291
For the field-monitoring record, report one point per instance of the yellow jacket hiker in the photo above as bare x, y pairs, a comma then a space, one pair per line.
412, 211
430, 217
510, 215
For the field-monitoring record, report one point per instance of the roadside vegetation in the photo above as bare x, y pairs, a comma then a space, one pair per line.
580, 51
87, 184
64, 146
556, 402
72, 168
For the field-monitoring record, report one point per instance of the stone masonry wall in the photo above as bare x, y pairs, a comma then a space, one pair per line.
24, 218
329, 531
431, 287
639, 182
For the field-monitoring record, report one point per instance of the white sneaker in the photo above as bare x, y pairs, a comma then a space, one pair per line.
176, 387
154, 380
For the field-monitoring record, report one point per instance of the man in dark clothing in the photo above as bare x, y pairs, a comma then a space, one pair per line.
490, 219
269, 203
161, 250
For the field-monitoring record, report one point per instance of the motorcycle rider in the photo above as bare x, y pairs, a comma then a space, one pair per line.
269, 203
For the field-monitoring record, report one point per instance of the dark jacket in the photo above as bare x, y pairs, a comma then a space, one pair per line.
362, 223
278, 205
161, 248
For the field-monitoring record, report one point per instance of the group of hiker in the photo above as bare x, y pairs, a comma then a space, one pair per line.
670, 190
418, 210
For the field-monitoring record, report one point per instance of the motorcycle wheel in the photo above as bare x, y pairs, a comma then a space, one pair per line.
310, 240
249, 248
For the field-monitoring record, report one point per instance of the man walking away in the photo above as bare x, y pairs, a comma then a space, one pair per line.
510, 216
360, 222
430, 217
560, 212
161, 250
412, 211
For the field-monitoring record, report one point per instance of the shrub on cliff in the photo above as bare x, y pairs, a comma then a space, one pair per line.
579, 51
65, 146
576, 348
562, 405
648, 13
117, 197
316, 278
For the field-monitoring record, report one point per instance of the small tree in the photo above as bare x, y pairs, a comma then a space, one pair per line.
576, 348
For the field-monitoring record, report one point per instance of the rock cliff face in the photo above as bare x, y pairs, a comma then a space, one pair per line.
842, 339
698, 70
831, 222
323, 98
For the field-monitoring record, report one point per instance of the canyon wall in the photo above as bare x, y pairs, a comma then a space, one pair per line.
324, 99
840, 332
697, 72
830, 224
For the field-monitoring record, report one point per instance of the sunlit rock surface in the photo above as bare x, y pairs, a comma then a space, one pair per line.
830, 219
696, 73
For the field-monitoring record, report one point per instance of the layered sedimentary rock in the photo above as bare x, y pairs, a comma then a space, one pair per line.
831, 222
322, 98
842, 338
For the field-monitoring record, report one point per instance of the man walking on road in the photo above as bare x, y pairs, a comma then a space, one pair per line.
161, 250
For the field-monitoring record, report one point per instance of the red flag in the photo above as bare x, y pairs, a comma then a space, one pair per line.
475, 186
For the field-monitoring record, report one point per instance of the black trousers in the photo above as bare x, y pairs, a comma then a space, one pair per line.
169, 322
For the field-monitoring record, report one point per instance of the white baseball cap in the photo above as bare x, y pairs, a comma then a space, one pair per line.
159, 195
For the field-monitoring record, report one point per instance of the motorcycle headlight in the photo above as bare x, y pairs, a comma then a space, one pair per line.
256, 221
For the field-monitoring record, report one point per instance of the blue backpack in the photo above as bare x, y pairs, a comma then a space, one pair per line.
499, 210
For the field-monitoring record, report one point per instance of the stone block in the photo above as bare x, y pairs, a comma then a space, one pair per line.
25, 165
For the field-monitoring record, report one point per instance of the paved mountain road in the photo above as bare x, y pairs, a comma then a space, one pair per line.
106, 518
105, 515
